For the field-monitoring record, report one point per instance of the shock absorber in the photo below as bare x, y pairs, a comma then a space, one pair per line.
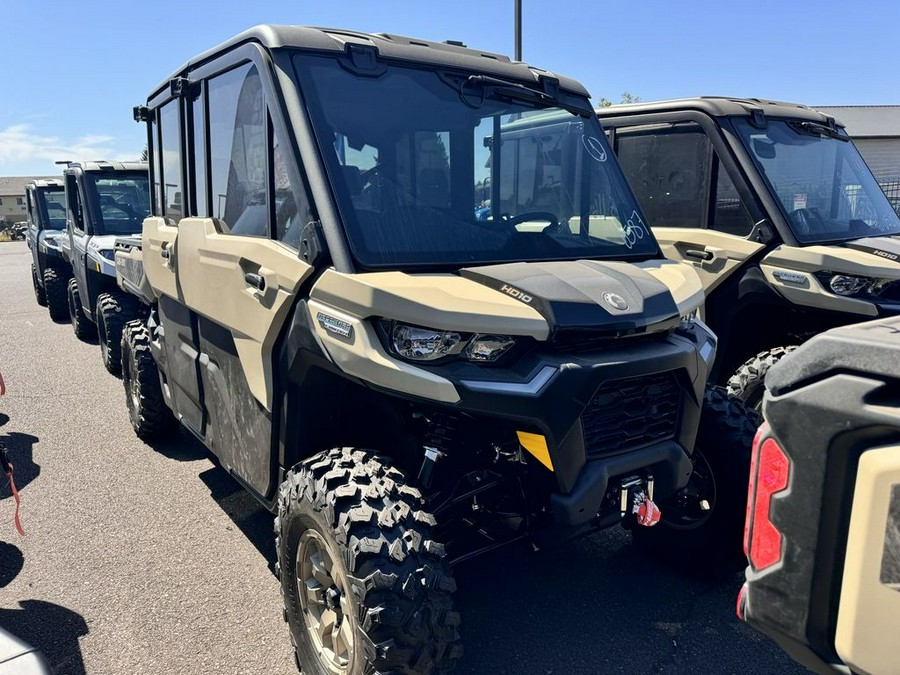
438, 439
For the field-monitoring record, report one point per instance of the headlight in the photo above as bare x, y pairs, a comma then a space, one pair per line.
845, 284
424, 344
108, 253
488, 348
416, 343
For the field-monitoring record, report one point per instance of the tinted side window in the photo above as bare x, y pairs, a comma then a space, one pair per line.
173, 193
292, 205
155, 168
201, 190
669, 172
237, 147
73, 203
731, 215
29, 208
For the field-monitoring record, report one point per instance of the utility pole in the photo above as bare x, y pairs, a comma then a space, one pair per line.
518, 30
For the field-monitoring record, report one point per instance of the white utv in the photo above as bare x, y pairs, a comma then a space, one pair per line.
413, 338
103, 200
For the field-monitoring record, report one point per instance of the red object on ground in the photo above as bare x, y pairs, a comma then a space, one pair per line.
15, 494
647, 513
2, 386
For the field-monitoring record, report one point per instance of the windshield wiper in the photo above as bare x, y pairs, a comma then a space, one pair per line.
815, 129
521, 92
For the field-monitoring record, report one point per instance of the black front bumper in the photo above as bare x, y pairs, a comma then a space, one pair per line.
548, 394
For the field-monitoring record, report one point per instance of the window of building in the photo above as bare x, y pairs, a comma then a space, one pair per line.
238, 134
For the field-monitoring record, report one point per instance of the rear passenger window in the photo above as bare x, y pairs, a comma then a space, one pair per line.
201, 200
669, 172
238, 132
173, 193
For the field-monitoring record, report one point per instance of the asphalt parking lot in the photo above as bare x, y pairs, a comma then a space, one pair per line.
141, 559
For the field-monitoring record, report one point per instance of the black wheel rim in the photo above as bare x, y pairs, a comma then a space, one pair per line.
133, 389
696, 503
101, 336
325, 602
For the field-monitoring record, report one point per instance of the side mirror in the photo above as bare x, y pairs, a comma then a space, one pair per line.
762, 232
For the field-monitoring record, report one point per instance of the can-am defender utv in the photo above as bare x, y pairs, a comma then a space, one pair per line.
414, 338
775, 208
104, 200
45, 203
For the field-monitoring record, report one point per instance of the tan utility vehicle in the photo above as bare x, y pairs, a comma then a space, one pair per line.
415, 338
823, 522
776, 210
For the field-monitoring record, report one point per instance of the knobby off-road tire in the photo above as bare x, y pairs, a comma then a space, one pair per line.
749, 382
84, 328
150, 416
39, 293
114, 310
708, 542
351, 530
56, 288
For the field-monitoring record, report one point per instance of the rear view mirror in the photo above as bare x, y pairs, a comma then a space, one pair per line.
763, 149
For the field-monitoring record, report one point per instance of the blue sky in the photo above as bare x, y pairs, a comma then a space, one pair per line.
71, 71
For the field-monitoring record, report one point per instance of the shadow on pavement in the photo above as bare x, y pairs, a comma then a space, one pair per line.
182, 447
248, 514
20, 449
50, 628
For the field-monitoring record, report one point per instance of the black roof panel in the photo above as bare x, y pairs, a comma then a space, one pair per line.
389, 46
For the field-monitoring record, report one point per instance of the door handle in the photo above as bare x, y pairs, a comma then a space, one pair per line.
255, 280
165, 252
699, 254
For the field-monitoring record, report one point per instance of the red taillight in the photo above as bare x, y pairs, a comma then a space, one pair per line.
769, 474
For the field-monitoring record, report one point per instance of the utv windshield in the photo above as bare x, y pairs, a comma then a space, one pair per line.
121, 201
434, 168
822, 183
51, 203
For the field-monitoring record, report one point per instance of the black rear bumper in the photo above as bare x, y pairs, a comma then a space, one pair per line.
831, 401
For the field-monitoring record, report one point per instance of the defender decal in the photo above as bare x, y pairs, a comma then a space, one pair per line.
335, 326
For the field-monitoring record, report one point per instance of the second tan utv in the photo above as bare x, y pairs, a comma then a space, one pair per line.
415, 332
775, 208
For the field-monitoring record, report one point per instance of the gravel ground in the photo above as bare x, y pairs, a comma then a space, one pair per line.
153, 560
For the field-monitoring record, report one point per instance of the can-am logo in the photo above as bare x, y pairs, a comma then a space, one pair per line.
615, 301
516, 293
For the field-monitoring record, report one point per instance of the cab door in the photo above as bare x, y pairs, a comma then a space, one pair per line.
690, 196
234, 271
33, 233
78, 233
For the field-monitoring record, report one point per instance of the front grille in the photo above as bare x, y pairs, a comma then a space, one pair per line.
631, 413
587, 342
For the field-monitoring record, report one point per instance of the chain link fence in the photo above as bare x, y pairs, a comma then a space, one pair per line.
892, 192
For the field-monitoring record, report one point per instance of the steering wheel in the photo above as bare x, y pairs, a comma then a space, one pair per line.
807, 220
519, 218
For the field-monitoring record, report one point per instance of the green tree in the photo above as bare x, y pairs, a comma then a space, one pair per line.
627, 97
